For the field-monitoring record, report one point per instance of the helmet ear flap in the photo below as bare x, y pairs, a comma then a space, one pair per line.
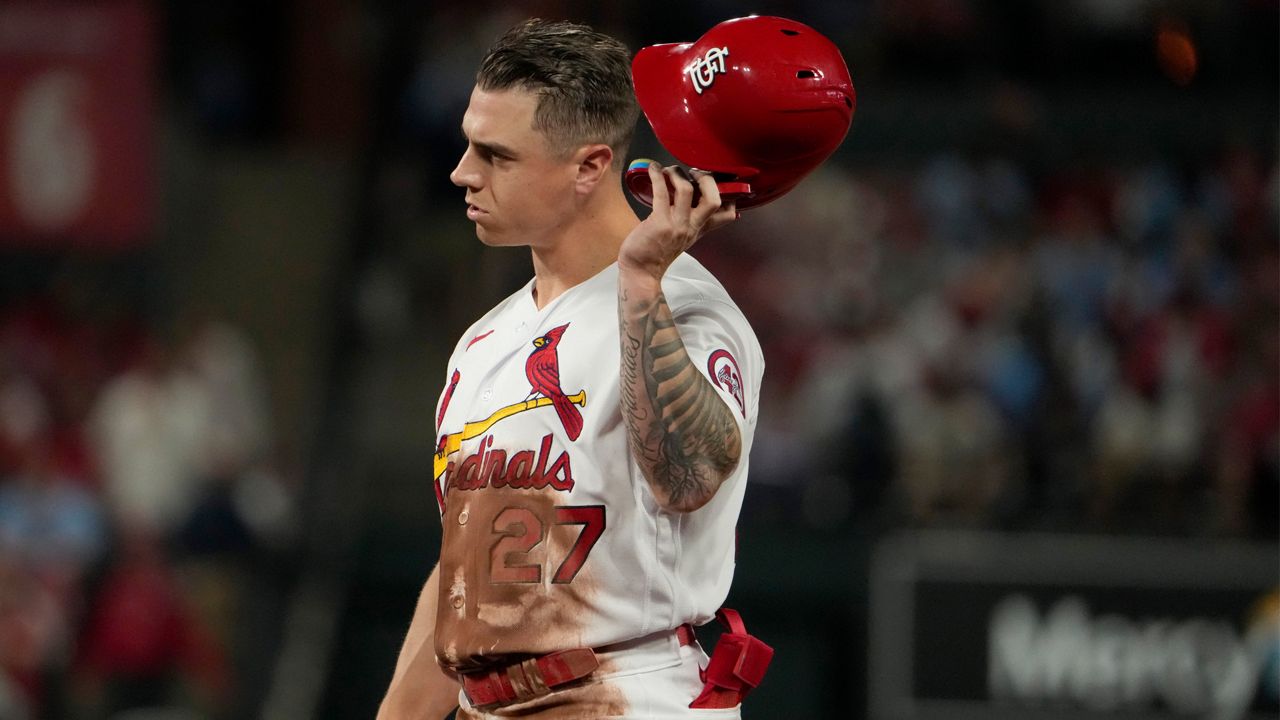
756, 100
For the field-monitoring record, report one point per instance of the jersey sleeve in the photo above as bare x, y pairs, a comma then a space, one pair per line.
723, 347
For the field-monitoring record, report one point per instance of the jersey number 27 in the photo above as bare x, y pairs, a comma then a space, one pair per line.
520, 530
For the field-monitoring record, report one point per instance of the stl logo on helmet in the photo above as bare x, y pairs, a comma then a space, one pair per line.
703, 71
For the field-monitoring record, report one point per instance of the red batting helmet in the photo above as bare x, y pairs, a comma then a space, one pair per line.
759, 102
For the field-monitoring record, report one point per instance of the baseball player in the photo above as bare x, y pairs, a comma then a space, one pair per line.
594, 428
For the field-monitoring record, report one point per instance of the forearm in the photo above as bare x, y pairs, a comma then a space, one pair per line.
681, 432
419, 687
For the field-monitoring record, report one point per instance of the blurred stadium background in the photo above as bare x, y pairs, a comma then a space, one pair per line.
1018, 445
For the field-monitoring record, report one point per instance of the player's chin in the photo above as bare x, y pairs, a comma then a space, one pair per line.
495, 236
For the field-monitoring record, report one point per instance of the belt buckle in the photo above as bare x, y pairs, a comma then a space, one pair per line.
527, 679
486, 689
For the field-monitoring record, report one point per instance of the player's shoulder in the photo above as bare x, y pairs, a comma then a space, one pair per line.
689, 282
492, 318
695, 295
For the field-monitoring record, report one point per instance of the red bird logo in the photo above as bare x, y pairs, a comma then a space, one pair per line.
543, 370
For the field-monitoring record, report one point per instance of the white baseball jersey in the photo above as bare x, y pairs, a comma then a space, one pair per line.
552, 538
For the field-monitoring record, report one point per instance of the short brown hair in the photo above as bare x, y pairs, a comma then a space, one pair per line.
582, 79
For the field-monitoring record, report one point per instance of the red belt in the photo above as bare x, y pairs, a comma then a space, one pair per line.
539, 675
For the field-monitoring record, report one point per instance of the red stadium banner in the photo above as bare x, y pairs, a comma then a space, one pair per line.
76, 135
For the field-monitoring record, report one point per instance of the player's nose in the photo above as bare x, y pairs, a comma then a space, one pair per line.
465, 174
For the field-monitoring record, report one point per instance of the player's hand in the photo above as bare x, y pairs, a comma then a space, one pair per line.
675, 223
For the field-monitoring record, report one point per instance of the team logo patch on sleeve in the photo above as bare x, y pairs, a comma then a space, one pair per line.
726, 375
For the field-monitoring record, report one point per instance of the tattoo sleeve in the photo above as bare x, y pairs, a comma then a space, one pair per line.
680, 431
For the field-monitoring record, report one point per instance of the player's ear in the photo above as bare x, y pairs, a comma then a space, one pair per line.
594, 162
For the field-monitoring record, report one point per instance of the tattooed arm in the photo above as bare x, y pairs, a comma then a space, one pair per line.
681, 433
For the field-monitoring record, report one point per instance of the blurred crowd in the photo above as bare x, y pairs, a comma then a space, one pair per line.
974, 342
135, 495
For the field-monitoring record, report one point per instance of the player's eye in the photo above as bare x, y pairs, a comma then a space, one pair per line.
489, 155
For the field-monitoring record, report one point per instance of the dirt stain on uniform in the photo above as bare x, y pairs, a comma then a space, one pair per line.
500, 554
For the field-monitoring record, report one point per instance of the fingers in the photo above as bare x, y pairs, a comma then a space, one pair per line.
712, 211
727, 213
682, 208
673, 197
661, 198
710, 202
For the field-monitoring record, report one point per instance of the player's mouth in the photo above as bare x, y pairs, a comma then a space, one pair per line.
475, 212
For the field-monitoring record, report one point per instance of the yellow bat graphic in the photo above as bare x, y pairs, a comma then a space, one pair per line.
471, 430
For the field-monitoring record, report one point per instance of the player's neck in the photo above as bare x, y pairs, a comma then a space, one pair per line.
587, 245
